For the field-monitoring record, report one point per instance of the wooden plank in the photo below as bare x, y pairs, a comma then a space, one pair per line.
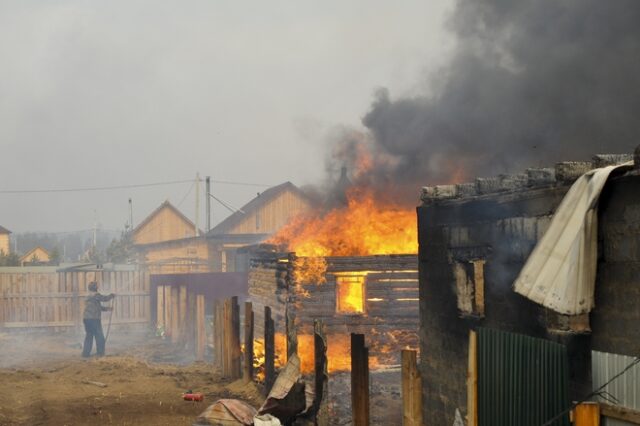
201, 337
292, 337
472, 381
411, 390
321, 395
586, 414
218, 333
236, 352
269, 350
160, 324
359, 380
620, 413
182, 315
192, 322
247, 371
478, 279
175, 319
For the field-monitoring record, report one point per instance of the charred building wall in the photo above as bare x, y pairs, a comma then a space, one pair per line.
476, 238
387, 313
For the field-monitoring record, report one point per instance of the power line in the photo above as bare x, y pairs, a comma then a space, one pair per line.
596, 392
112, 187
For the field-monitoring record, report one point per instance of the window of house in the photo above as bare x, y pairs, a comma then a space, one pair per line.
350, 294
469, 277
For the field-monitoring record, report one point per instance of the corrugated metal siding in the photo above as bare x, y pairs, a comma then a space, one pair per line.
521, 380
625, 389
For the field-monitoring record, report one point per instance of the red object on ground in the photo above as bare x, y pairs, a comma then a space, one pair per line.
197, 396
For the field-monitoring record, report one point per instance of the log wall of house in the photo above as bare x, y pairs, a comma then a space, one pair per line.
390, 318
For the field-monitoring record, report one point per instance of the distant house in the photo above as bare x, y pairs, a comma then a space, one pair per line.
253, 223
4, 240
167, 242
36, 256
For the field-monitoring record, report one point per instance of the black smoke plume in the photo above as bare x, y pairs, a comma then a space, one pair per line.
530, 83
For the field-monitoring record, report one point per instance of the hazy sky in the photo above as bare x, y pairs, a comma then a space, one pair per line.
115, 93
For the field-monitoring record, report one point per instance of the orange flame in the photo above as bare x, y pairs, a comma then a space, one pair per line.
366, 226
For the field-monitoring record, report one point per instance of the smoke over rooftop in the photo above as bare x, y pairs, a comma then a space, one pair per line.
529, 83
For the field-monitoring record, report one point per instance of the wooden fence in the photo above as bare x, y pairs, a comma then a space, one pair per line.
32, 298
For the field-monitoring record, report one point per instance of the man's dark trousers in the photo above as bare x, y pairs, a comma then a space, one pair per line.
93, 328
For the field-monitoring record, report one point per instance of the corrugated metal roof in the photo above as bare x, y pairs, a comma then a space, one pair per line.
625, 389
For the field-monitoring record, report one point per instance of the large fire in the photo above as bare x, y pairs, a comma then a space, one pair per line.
365, 226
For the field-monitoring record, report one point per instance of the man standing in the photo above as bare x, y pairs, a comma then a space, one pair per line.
92, 320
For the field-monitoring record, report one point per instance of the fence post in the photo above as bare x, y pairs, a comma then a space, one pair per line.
167, 310
472, 381
320, 402
192, 321
231, 358
247, 372
201, 336
359, 380
269, 350
411, 390
219, 333
175, 333
183, 329
292, 335
236, 352
160, 307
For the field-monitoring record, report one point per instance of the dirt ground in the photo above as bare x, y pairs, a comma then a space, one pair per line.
43, 381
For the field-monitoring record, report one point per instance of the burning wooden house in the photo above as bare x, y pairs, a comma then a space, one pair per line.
373, 295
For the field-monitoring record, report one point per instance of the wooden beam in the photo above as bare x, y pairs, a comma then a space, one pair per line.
160, 307
191, 327
236, 351
411, 390
226, 337
321, 397
182, 312
218, 333
269, 350
478, 280
586, 414
472, 381
620, 413
292, 335
175, 319
359, 380
232, 353
247, 371
201, 335
167, 310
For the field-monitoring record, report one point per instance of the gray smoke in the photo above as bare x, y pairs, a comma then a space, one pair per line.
530, 83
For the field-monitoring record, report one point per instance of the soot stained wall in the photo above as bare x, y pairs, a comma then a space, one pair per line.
503, 229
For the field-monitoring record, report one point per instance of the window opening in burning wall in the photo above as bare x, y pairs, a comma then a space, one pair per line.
350, 293
469, 278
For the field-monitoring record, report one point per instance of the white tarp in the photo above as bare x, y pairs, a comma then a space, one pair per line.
560, 273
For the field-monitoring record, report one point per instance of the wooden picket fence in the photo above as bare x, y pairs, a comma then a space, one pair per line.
37, 297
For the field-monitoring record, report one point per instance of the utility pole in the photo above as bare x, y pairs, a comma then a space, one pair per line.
130, 215
197, 232
95, 230
208, 187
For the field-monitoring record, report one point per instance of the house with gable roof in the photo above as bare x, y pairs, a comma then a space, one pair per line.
5, 247
255, 222
167, 242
